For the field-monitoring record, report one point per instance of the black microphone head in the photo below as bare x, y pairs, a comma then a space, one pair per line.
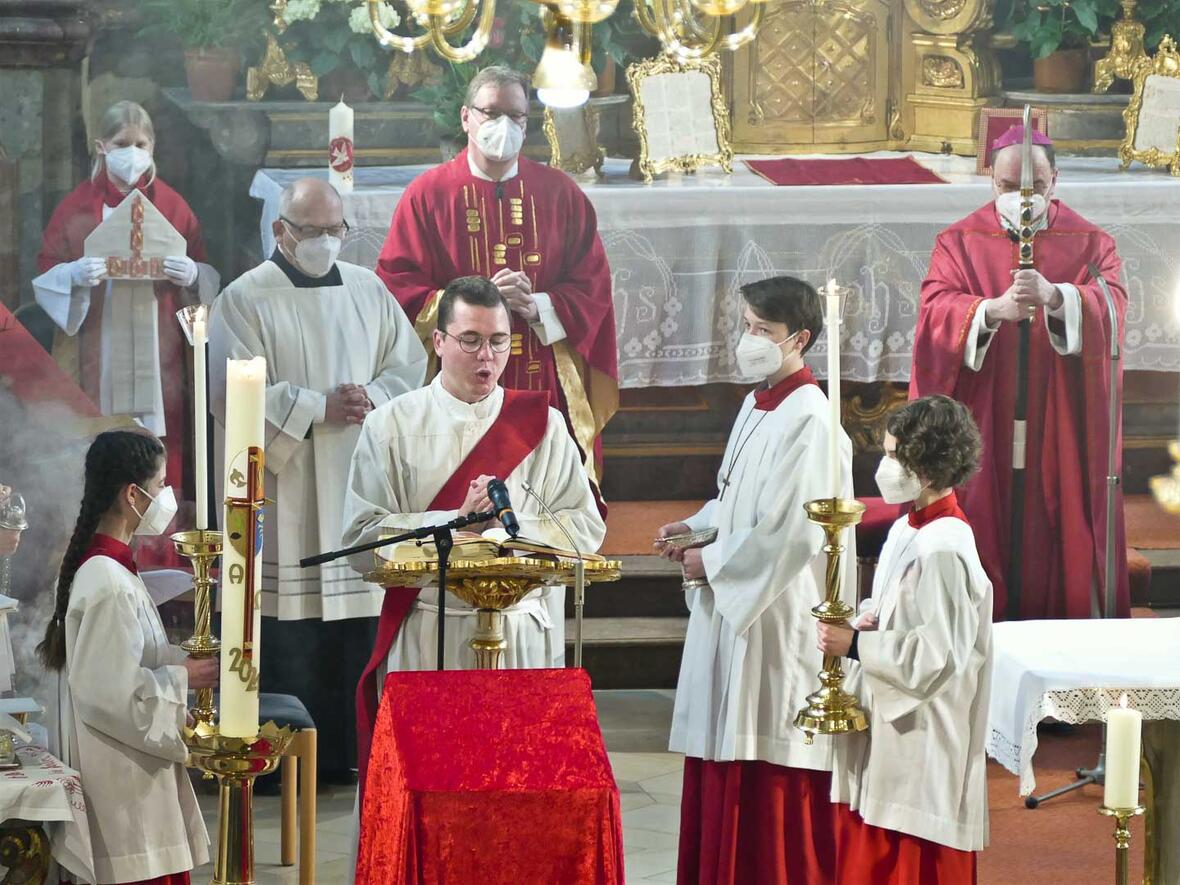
498, 495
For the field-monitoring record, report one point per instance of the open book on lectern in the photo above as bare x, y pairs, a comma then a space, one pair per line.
478, 547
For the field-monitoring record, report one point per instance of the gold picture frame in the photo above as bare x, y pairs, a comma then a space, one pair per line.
573, 139
679, 115
1153, 113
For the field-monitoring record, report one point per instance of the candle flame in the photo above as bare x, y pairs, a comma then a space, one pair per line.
832, 288
1123, 701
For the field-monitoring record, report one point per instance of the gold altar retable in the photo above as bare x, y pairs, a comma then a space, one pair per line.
490, 586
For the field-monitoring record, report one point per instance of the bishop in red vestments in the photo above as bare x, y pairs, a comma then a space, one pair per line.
531, 230
966, 347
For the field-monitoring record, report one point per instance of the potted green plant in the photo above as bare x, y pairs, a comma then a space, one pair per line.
618, 41
1160, 17
213, 34
1057, 34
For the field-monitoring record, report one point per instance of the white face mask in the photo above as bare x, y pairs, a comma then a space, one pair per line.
897, 485
499, 139
159, 514
1008, 207
128, 163
316, 256
759, 357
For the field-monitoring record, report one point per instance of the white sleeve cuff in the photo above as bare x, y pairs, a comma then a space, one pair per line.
979, 339
548, 326
65, 304
1070, 315
208, 283
321, 410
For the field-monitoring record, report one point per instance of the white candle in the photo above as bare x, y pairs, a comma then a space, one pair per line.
340, 148
833, 323
1123, 731
201, 454
245, 409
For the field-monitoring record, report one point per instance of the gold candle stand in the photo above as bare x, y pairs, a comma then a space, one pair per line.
201, 548
830, 709
1122, 839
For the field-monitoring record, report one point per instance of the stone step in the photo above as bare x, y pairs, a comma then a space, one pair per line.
649, 588
1164, 591
622, 652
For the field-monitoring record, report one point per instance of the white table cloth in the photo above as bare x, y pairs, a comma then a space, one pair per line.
44, 790
1074, 671
680, 248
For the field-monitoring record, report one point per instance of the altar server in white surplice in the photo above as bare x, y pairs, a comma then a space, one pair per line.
749, 656
336, 345
912, 790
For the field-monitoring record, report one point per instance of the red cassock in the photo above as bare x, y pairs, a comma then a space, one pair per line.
1068, 402
868, 855
64, 238
450, 224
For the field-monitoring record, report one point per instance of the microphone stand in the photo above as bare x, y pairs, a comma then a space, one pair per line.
444, 540
1097, 774
579, 574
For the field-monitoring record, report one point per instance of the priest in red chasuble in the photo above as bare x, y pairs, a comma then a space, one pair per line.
531, 230
966, 347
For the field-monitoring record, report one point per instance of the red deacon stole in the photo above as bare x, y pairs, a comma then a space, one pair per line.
517, 431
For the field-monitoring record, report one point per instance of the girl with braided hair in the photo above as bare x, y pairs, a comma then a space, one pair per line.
126, 687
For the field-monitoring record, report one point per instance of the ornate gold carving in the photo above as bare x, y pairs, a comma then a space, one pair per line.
415, 69
710, 67
586, 153
950, 16
943, 9
1126, 50
942, 72
1165, 63
865, 422
275, 68
24, 851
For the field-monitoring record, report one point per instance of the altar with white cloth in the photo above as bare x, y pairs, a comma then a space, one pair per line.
681, 247
1074, 671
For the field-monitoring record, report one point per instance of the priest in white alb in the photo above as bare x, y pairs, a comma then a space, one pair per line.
428, 456
335, 345
755, 804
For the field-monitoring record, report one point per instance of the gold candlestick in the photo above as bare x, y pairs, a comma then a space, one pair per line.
830, 709
201, 548
1122, 839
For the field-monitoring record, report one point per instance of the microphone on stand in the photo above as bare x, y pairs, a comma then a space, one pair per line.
502, 506
579, 571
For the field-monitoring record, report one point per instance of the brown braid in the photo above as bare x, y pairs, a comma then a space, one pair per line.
114, 460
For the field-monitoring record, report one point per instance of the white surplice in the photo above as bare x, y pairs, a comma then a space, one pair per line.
313, 339
750, 655
924, 680
121, 723
408, 449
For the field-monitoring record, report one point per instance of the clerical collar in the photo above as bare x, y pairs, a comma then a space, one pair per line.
767, 399
476, 172
105, 545
948, 506
464, 411
299, 279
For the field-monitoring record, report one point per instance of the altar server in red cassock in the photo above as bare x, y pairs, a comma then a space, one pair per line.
965, 347
97, 333
530, 229
911, 792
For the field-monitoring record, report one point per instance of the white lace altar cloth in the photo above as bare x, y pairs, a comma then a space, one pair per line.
1074, 671
681, 247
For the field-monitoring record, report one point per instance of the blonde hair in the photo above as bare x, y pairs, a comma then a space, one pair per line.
118, 117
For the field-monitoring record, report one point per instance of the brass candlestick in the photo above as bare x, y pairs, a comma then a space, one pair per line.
1166, 488
1126, 50
1122, 839
201, 548
830, 709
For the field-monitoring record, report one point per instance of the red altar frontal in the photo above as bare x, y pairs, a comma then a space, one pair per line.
494, 776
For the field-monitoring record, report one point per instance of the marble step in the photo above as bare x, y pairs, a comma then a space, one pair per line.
630, 652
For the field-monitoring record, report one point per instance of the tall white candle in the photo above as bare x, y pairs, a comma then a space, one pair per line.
833, 323
245, 409
1123, 732
340, 147
200, 451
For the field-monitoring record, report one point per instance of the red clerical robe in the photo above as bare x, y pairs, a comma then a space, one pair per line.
1068, 402
450, 224
64, 239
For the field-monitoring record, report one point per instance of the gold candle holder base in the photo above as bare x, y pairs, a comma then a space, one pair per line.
1122, 839
830, 709
235, 762
201, 547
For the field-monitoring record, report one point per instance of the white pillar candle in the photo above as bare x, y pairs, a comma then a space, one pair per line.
200, 450
1123, 732
340, 147
833, 323
245, 409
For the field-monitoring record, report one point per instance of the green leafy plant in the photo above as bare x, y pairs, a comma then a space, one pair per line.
336, 36
205, 24
1160, 17
1045, 26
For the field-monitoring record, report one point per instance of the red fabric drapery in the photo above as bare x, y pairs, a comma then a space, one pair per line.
869, 855
489, 776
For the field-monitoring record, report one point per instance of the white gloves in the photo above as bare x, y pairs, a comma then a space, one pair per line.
181, 270
87, 272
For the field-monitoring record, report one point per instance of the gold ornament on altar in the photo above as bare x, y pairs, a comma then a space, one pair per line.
830, 709
1166, 489
276, 69
1153, 113
1126, 50
1122, 840
572, 135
